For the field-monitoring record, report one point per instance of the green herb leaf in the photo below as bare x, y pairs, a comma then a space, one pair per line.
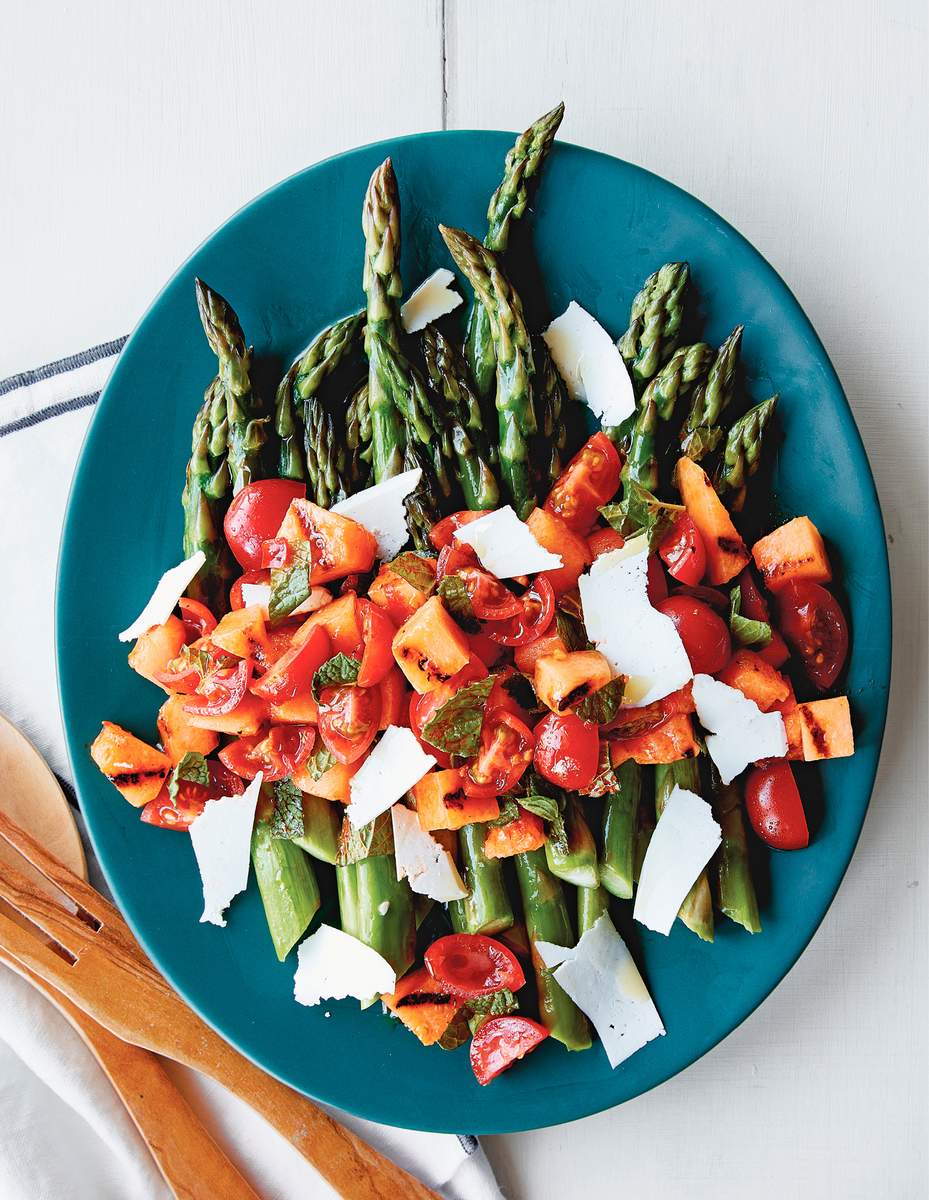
509, 811
497, 1004
745, 631
641, 512
192, 768
290, 585
369, 841
543, 806
455, 727
572, 632
338, 671
602, 706
558, 835
458, 1032
454, 593
287, 818
570, 605
320, 761
520, 688
415, 570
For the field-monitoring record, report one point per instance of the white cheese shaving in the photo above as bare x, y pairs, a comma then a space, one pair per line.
431, 300
506, 545
396, 764
429, 867
601, 977
590, 364
380, 510
739, 732
684, 841
332, 965
637, 640
222, 838
171, 586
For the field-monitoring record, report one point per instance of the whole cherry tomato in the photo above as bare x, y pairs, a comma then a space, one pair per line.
567, 751
682, 551
774, 807
704, 633
814, 624
255, 515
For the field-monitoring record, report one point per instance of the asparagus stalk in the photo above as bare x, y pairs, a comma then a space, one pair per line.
742, 454
655, 321
204, 500
346, 878
448, 377
547, 920
685, 369
326, 456
515, 367
577, 861
487, 908
644, 828
549, 446
382, 284
641, 463
321, 826
288, 887
358, 439
620, 809
424, 506
702, 433
735, 889
288, 425
508, 203
592, 903
697, 910
246, 418
384, 915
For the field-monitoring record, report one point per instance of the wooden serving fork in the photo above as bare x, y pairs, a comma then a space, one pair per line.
98, 965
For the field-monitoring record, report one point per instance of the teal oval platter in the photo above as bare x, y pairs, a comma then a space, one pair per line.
290, 262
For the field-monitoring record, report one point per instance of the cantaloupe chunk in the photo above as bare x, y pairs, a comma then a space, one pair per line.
430, 647
334, 784
668, 743
826, 729
425, 1017
726, 553
396, 595
553, 534
156, 648
135, 769
340, 621
563, 680
442, 803
178, 736
245, 719
524, 834
756, 679
242, 632
794, 551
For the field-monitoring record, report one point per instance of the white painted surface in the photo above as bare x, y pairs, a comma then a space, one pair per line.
130, 131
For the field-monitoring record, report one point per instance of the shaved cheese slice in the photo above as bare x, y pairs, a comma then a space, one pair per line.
637, 640
739, 732
332, 965
684, 841
506, 546
380, 510
222, 840
431, 300
590, 364
171, 586
395, 764
429, 867
601, 977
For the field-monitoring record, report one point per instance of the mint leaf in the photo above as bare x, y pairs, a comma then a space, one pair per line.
370, 841
454, 593
415, 570
335, 672
602, 706
320, 761
455, 727
746, 632
570, 605
458, 1032
290, 585
497, 1004
641, 512
192, 768
571, 631
543, 806
509, 811
287, 818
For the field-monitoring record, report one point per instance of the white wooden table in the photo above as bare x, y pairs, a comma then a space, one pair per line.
132, 130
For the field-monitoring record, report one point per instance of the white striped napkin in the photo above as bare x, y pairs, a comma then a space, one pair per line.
62, 1131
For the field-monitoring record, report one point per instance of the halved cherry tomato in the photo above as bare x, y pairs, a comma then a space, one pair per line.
657, 582
255, 515
490, 600
774, 807
814, 624
393, 699
706, 595
588, 481
442, 534
277, 753
755, 607
602, 541
276, 553
452, 558
292, 674
472, 964
191, 799
705, 634
222, 689
538, 611
423, 707
197, 618
348, 720
505, 753
567, 751
377, 634
485, 648
683, 552
235, 592
501, 1041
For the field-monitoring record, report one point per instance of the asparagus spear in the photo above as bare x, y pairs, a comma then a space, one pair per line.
448, 377
736, 891
701, 432
321, 825
288, 887
382, 284
641, 463
326, 456
592, 903
358, 439
655, 321
515, 368
617, 858
288, 425
547, 920
549, 445
487, 908
424, 506
743, 450
684, 370
508, 203
384, 916
204, 500
247, 432
697, 910
577, 861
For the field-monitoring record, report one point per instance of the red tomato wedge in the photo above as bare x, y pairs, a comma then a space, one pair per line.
682, 551
276, 553
191, 799
472, 964
704, 633
276, 754
377, 635
589, 481
452, 558
500, 1042
442, 534
198, 620
567, 751
235, 592
349, 718
255, 516
774, 807
814, 624
292, 674
657, 584
490, 600
537, 610
222, 690
505, 753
